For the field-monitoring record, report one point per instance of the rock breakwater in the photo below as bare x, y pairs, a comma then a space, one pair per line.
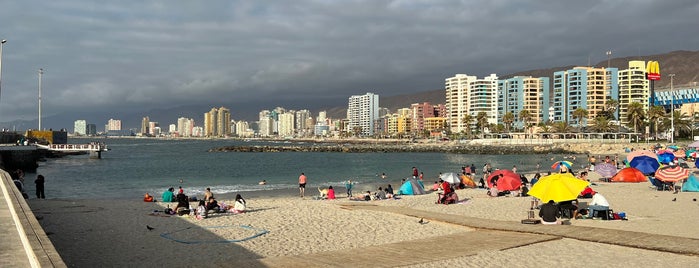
397, 148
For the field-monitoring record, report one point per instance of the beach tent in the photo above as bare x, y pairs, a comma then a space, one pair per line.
412, 186
629, 174
691, 185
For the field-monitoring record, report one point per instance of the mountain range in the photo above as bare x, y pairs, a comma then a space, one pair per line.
684, 64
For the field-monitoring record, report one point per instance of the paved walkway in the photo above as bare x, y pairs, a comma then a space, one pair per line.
488, 235
23, 242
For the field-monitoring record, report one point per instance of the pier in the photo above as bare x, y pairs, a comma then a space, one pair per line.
95, 148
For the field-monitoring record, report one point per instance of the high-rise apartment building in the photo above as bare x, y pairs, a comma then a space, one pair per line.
145, 122
211, 123
223, 122
80, 127
362, 111
286, 124
301, 121
523, 93
113, 124
185, 127
588, 88
457, 89
633, 87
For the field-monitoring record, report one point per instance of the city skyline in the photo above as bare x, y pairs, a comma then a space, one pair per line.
131, 57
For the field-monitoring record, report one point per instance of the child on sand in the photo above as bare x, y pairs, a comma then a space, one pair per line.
201, 210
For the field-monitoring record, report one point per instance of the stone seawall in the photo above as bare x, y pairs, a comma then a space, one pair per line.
577, 148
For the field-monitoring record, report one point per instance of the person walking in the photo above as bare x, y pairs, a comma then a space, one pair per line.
302, 184
40, 187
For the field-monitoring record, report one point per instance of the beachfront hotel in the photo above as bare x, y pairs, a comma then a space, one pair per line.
362, 111
523, 93
588, 88
633, 87
469, 95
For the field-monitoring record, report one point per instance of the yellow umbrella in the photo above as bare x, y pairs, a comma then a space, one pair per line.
558, 187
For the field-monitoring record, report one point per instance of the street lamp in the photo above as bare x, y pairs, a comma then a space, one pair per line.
1, 45
41, 72
672, 110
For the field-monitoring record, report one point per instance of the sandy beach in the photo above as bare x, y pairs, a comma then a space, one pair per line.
90, 233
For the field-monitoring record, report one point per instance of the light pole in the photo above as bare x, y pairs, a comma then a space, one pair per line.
2, 43
41, 72
672, 110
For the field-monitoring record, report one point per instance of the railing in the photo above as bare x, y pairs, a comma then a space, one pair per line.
75, 147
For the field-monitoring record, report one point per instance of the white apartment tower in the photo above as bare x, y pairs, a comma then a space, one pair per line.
633, 87
362, 111
457, 88
286, 124
80, 127
113, 124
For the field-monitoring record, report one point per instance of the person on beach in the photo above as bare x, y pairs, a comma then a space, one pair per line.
169, 195
383, 175
148, 198
40, 186
302, 184
422, 176
201, 212
435, 186
182, 202
389, 190
240, 205
380, 194
549, 213
208, 194
473, 169
415, 172
348, 186
514, 168
331, 192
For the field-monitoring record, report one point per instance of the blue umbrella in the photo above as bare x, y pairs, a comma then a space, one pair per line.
696, 163
666, 157
645, 164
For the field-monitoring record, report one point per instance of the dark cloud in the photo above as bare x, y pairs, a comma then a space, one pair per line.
131, 56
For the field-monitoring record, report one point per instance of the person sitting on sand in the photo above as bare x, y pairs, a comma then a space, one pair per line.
435, 186
148, 198
208, 194
493, 192
169, 195
362, 197
389, 190
212, 204
182, 202
549, 213
331, 192
380, 194
201, 212
240, 205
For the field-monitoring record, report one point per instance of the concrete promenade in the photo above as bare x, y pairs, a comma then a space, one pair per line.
24, 243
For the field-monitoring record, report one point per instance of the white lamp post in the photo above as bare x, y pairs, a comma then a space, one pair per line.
2, 43
41, 72
672, 111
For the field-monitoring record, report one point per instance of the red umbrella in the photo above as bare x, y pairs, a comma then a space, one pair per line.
672, 174
509, 181
629, 174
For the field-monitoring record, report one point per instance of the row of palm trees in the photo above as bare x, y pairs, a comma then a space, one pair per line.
656, 117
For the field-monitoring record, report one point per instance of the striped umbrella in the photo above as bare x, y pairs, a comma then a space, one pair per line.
672, 174
606, 170
680, 153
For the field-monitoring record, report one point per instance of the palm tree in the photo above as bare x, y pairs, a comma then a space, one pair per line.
635, 114
602, 124
525, 116
578, 115
611, 107
467, 119
655, 115
681, 120
507, 119
562, 127
481, 121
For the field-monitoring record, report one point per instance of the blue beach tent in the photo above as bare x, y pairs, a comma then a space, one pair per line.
691, 185
412, 186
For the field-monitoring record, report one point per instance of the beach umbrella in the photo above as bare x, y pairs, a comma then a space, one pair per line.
679, 153
508, 180
694, 144
558, 187
468, 181
672, 174
674, 147
629, 174
666, 157
645, 164
690, 153
696, 163
558, 164
606, 170
451, 178
633, 154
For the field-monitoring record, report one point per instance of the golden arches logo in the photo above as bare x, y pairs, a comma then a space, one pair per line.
653, 70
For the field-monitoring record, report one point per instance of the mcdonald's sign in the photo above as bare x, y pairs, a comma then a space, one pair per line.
653, 70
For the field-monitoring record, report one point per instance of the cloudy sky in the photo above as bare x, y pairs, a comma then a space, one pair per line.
110, 57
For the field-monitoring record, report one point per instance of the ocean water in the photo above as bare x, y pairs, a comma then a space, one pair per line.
135, 166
